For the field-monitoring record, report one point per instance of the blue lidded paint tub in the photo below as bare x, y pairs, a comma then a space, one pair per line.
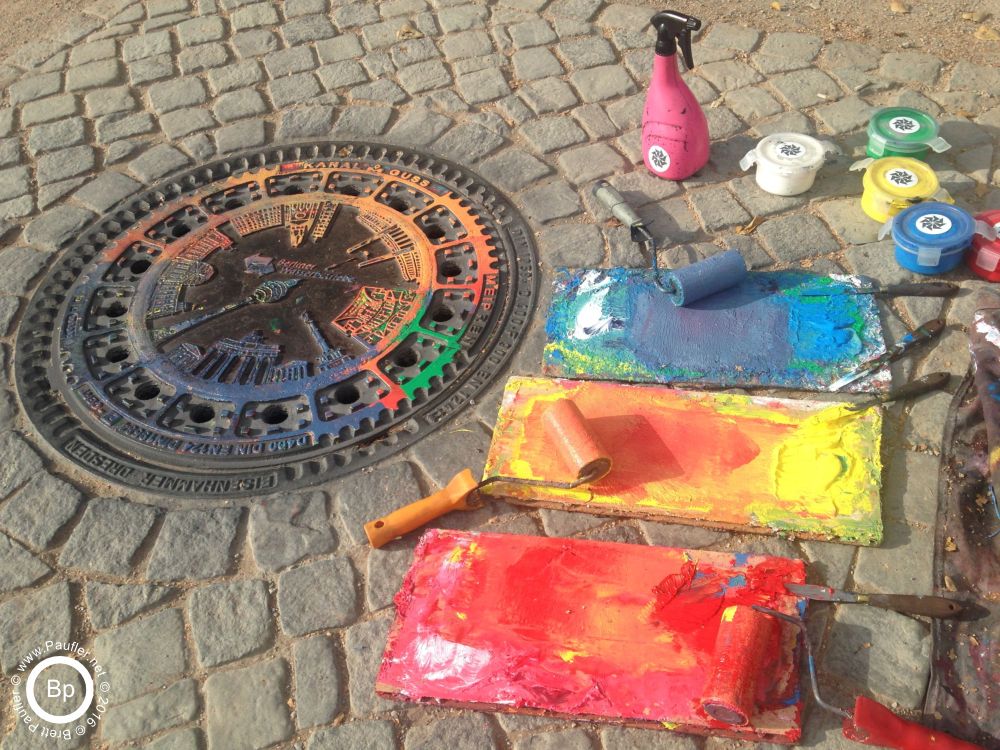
931, 237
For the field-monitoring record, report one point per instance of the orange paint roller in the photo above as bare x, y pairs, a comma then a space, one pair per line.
565, 427
741, 644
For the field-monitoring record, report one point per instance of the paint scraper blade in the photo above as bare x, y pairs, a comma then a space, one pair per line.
821, 593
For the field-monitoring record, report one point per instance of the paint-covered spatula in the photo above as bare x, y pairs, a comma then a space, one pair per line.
926, 332
907, 604
920, 289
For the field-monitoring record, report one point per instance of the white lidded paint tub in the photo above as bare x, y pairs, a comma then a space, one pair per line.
787, 163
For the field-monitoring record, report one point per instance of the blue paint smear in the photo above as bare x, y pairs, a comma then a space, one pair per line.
617, 324
740, 558
737, 582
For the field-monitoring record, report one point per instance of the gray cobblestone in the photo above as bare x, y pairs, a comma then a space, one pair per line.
45, 610
841, 54
717, 208
730, 74
424, 76
287, 61
121, 150
354, 14
254, 16
6, 121
288, 528
143, 654
235, 76
45, 504
255, 42
307, 29
759, 202
112, 604
587, 52
47, 110
306, 122
147, 45
196, 31
10, 151
182, 122
157, 162
21, 568
199, 146
106, 190
341, 74
363, 735
569, 739
230, 621
317, 682
14, 182
379, 65
602, 82
343, 47
240, 136
419, 126
293, 89
203, 57
804, 88
123, 125
182, 92
793, 238
803, 47
552, 201
93, 75
108, 536
462, 17
107, 101
237, 105
586, 163
534, 63
57, 227
316, 596
413, 51
297, 8
789, 122
247, 707
531, 33
182, 739
468, 142
85, 53
912, 67
752, 103
35, 87
466, 44
548, 95
849, 221
194, 544
177, 704
482, 86
552, 133
360, 121
471, 729
150, 69
52, 192
966, 76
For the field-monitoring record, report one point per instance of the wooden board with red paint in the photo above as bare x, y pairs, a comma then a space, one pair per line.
586, 630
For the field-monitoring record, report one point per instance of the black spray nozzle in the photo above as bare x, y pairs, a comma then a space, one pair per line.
674, 29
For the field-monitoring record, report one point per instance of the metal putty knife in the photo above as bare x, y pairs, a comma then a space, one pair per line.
925, 289
907, 604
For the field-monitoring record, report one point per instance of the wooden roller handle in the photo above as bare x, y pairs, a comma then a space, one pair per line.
874, 724
453, 496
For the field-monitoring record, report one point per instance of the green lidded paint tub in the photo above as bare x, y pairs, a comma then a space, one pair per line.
903, 131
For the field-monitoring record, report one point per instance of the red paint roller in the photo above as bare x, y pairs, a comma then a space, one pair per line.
741, 645
565, 427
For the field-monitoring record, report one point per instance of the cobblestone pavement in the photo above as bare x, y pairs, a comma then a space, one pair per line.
241, 627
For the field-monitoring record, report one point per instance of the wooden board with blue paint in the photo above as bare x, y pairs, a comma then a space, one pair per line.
616, 324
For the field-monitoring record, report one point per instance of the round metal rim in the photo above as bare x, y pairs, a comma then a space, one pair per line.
60, 427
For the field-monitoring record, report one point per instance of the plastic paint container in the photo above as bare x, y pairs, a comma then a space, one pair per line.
902, 131
984, 258
932, 237
894, 183
787, 163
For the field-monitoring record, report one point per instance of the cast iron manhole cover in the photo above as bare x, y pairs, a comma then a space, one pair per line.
276, 319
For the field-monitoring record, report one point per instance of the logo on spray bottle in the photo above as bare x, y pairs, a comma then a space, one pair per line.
659, 159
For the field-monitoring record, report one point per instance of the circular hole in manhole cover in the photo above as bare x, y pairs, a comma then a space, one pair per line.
275, 319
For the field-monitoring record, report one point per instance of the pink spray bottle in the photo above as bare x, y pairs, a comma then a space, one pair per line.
674, 128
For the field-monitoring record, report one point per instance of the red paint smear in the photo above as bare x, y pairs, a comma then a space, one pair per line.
582, 628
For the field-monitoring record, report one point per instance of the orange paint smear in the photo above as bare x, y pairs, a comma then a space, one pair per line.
706, 457
586, 629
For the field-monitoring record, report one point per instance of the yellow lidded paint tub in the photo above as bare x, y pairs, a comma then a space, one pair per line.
897, 182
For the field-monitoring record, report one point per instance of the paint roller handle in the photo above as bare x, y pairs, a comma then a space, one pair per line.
453, 496
615, 202
874, 724
920, 289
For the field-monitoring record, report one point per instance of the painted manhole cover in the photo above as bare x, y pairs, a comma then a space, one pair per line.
276, 319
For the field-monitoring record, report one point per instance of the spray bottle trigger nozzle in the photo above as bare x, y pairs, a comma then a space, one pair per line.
749, 160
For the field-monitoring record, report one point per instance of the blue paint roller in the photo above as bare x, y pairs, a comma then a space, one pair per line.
705, 278
685, 285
